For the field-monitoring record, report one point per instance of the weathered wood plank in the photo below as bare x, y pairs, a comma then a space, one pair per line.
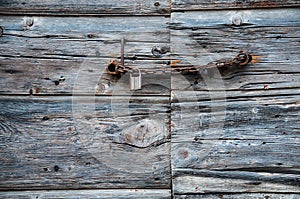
35, 56
239, 132
84, 142
113, 193
253, 118
201, 37
245, 195
189, 5
86, 76
80, 7
236, 183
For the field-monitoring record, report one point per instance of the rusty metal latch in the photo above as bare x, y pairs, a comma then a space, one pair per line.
115, 68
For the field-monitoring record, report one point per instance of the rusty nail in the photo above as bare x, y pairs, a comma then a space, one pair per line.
122, 51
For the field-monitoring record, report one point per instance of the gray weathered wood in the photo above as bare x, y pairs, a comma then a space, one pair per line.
110, 193
189, 5
245, 195
238, 132
84, 142
34, 57
81, 7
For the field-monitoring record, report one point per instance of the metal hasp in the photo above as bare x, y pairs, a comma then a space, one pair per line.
114, 68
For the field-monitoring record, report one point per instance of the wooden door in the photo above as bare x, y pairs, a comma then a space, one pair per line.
70, 130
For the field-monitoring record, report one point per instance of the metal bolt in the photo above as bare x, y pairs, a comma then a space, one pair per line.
156, 4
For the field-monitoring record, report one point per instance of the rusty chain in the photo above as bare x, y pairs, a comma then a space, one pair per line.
242, 59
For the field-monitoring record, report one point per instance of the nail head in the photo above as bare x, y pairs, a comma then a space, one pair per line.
156, 3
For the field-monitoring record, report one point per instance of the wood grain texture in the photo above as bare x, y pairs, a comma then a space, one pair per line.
36, 51
192, 5
246, 195
84, 143
236, 131
81, 7
97, 194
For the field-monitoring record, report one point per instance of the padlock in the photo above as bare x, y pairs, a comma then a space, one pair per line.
135, 80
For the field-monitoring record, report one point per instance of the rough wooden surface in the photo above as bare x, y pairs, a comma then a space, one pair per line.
68, 128
97, 194
190, 5
248, 196
60, 143
81, 7
239, 131
79, 50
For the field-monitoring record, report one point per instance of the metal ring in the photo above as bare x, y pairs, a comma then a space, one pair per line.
247, 60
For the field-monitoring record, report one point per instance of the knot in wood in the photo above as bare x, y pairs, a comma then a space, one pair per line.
145, 133
237, 20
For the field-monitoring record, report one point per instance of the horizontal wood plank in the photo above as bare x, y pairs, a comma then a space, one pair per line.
192, 5
236, 184
69, 194
34, 57
199, 38
81, 7
84, 143
245, 195
236, 131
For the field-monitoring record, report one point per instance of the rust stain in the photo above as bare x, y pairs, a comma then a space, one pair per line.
256, 58
128, 137
37, 90
175, 62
